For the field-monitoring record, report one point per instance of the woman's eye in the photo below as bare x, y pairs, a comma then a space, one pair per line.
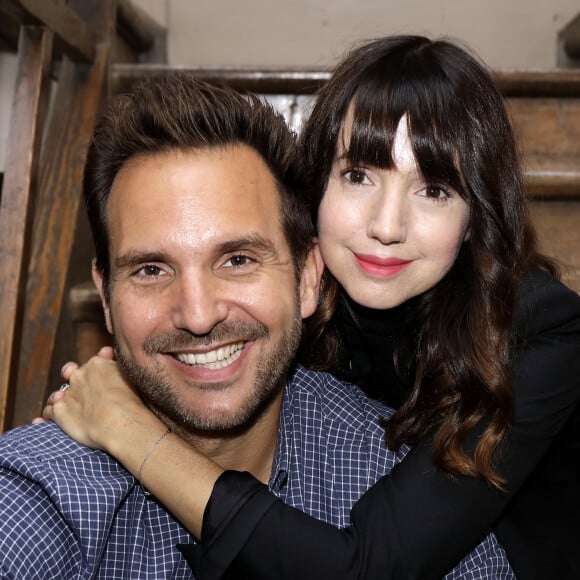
435, 192
356, 176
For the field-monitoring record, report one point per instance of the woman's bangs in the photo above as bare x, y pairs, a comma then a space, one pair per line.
374, 125
436, 151
372, 136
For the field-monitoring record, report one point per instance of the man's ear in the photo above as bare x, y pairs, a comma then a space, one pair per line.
99, 283
310, 280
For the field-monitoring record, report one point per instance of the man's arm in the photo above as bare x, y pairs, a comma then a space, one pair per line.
35, 539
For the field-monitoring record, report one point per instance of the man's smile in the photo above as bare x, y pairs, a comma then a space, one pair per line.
213, 359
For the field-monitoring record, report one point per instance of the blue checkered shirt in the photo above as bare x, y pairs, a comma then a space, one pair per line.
67, 511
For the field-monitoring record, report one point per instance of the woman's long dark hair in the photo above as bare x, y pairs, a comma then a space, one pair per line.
461, 136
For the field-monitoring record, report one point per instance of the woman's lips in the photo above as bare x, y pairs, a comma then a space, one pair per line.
381, 267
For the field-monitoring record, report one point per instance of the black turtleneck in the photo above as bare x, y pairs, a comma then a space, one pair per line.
368, 339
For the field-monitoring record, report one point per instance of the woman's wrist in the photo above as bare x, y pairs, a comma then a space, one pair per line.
130, 434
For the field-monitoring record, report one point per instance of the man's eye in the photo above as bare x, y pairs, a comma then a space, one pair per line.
150, 270
238, 261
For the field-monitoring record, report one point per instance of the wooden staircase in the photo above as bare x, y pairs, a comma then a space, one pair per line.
49, 311
64, 58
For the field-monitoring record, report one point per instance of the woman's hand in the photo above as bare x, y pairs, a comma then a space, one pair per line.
98, 404
100, 409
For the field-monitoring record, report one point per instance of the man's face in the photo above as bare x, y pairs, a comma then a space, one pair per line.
204, 303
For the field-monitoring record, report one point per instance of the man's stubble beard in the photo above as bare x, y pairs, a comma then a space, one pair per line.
270, 378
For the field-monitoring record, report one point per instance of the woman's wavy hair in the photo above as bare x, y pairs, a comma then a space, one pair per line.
461, 136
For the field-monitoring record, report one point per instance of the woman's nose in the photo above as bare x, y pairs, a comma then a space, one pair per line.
388, 220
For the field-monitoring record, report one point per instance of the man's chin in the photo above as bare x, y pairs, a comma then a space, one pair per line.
209, 424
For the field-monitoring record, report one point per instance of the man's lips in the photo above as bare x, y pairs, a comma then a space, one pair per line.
381, 267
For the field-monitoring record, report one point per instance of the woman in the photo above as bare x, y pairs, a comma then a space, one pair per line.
447, 311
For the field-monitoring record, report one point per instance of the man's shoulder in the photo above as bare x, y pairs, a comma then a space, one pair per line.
331, 445
335, 400
45, 454
70, 511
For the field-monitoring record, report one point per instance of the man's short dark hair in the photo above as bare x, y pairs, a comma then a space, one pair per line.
178, 112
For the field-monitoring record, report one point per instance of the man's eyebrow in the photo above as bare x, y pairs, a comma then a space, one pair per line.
249, 242
135, 257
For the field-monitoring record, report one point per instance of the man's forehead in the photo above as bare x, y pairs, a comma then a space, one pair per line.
196, 196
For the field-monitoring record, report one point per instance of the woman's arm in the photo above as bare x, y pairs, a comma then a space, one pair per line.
418, 522
100, 410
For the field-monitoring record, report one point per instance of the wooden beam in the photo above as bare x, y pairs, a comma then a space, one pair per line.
18, 196
72, 35
555, 83
295, 81
569, 37
9, 31
77, 105
272, 81
135, 26
553, 185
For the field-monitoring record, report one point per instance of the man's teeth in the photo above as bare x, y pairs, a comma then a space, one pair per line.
214, 359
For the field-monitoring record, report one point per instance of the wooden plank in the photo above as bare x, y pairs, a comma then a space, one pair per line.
63, 157
558, 226
18, 196
533, 83
9, 32
89, 321
569, 37
548, 131
548, 128
135, 26
77, 104
72, 35
538, 83
267, 81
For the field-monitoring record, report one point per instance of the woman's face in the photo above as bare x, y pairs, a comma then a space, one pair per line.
386, 235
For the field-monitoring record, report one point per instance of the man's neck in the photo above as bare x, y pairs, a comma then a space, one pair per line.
251, 449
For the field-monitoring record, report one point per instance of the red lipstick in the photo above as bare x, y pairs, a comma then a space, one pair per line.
381, 267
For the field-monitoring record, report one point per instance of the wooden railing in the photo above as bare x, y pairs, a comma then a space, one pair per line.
64, 55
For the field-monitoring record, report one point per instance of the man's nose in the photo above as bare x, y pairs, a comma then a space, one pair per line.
200, 303
388, 219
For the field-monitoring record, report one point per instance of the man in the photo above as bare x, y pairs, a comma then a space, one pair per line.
206, 268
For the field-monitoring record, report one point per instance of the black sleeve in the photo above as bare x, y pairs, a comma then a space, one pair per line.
416, 522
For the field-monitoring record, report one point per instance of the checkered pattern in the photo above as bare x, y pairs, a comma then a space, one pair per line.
71, 512
331, 450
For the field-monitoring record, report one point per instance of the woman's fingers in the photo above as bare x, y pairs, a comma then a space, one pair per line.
107, 352
67, 370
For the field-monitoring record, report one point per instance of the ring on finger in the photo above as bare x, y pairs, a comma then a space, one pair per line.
64, 387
